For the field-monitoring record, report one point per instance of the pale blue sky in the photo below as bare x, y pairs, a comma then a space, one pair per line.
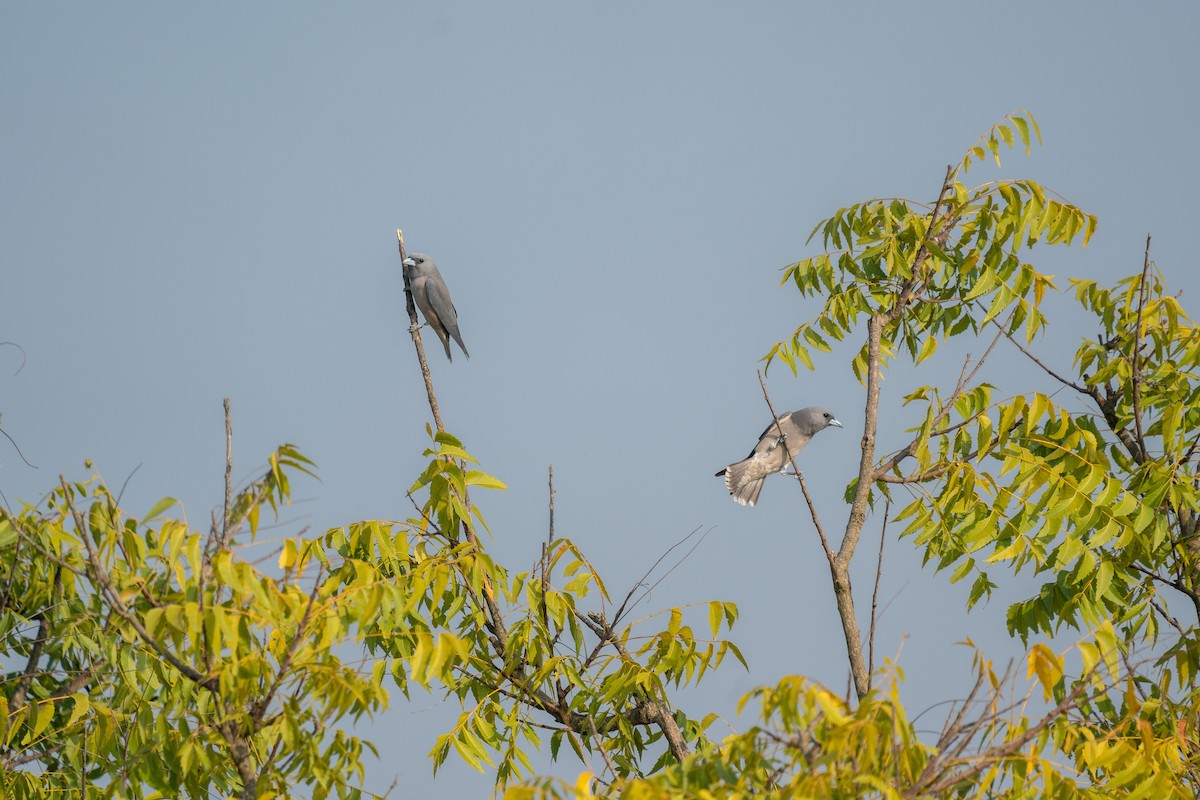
200, 201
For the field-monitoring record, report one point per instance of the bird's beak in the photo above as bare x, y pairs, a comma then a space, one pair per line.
834, 422
408, 262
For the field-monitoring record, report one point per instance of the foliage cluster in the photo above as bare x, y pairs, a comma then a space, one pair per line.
143, 658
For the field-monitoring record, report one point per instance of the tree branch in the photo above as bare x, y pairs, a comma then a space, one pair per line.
31, 665
546, 557
414, 328
1064, 381
259, 709
650, 711
243, 758
910, 287
104, 581
228, 474
938, 231
949, 777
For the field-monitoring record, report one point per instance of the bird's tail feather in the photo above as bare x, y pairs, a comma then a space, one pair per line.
458, 339
743, 488
445, 343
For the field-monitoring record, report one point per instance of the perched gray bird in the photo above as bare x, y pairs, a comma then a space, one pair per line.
744, 480
433, 298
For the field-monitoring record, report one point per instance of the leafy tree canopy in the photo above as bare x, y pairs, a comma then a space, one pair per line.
144, 658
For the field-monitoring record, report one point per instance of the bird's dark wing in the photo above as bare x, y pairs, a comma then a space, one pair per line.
769, 439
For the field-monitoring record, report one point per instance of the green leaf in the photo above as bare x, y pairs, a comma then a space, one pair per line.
927, 349
159, 507
1023, 129
1005, 134
482, 479
452, 451
443, 437
1104, 576
40, 715
716, 611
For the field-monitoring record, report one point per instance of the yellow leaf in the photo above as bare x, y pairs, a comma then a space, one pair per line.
420, 657
1012, 551
832, 707
1048, 667
287, 556
82, 704
1146, 732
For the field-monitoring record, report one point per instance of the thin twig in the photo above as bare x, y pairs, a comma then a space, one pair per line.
951, 777
391, 788
1130, 671
414, 328
16, 447
625, 607
550, 480
546, 557
1137, 351
228, 474
603, 750
1064, 381
23, 357
125, 484
83, 753
1175, 583
875, 595
1165, 615
923, 477
812, 509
